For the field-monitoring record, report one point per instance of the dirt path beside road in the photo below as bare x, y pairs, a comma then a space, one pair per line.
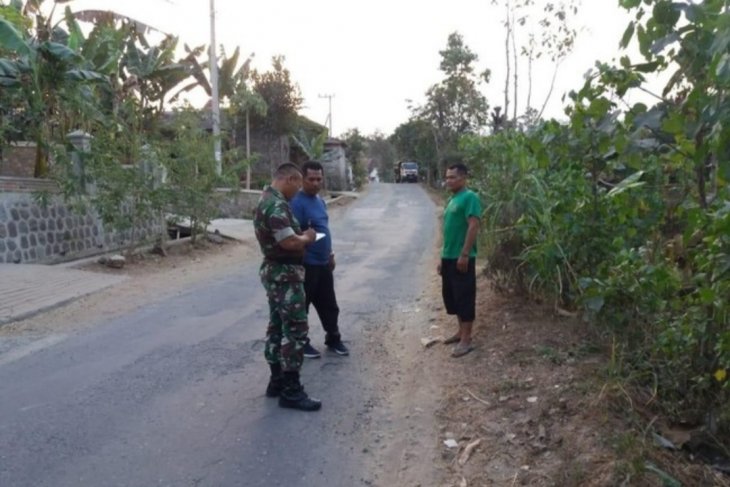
151, 278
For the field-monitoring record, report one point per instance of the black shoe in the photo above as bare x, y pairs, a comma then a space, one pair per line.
311, 352
339, 348
275, 386
276, 381
300, 401
293, 396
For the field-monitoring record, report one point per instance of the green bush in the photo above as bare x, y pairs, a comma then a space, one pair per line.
591, 234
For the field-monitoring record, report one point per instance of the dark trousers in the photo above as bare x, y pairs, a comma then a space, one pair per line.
319, 288
459, 289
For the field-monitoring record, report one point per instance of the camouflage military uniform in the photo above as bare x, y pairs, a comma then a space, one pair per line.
282, 274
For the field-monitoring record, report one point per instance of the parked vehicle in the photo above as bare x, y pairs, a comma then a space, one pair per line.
406, 171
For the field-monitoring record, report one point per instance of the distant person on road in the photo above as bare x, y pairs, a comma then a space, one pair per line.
282, 274
319, 260
458, 255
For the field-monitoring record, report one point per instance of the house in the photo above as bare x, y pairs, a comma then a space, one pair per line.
338, 171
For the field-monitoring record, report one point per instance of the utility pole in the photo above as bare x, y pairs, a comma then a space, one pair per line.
329, 113
214, 102
248, 153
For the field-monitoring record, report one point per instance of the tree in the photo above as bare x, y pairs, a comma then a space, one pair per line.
381, 154
356, 144
415, 140
550, 36
455, 107
355, 153
237, 96
44, 68
313, 147
244, 101
281, 95
191, 171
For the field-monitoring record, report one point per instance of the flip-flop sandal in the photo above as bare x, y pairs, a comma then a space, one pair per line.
460, 351
453, 339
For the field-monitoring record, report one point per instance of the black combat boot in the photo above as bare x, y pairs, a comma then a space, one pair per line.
293, 395
276, 381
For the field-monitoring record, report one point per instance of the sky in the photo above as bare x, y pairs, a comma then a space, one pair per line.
374, 56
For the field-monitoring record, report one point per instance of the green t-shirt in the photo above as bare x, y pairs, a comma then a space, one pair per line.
459, 208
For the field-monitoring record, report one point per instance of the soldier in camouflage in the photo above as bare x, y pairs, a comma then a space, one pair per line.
282, 273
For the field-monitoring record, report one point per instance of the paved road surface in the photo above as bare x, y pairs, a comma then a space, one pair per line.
172, 394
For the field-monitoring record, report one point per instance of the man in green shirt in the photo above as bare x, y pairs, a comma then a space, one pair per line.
458, 255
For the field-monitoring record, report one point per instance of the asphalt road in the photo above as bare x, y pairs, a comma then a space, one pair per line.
172, 394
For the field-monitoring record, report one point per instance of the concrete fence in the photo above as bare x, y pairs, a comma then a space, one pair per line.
49, 231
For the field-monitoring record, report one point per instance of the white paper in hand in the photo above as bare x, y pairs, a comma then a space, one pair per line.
319, 236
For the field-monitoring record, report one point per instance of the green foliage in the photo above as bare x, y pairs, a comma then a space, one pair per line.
454, 107
355, 154
45, 74
281, 95
191, 172
313, 147
625, 215
382, 155
62, 80
356, 144
127, 198
415, 140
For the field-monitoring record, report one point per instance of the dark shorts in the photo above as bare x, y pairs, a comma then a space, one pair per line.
458, 289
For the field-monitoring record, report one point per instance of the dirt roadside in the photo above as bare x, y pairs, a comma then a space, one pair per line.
151, 278
532, 405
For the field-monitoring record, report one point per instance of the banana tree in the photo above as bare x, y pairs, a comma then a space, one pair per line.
234, 90
43, 69
313, 147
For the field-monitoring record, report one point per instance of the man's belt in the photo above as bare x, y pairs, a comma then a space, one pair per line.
287, 260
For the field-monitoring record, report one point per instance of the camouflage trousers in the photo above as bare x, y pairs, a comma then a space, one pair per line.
286, 334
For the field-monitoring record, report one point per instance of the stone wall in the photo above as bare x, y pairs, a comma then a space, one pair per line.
237, 204
34, 233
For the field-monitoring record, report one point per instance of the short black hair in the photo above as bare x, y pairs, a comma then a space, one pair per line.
286, 170
460, 169
312, 166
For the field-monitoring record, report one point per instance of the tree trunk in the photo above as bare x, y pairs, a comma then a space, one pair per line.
529, 80
507, 25
700, 168
514, 55
41, 153
550, 91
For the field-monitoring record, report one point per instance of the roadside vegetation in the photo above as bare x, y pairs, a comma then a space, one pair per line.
618, 216
139, 151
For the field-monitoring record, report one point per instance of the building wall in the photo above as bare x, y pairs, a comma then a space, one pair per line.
272, 150
18, 160
337, 177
